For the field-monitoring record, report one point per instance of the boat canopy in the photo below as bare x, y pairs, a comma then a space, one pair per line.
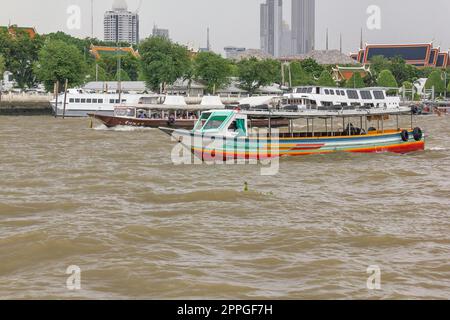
175, 101
212, 102
258, 101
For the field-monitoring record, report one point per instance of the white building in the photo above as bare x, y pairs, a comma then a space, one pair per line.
121, 25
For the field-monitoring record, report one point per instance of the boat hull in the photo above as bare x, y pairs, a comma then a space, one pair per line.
219, 148
112, 121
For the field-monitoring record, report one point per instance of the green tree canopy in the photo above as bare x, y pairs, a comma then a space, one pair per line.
387, 80
2, 65
254, 73
128, 63
163, 62
435, 80
212, 69
407, 85
326, 80
356, 81
312, 67
378, 64
20, 53
299, 76
60, 61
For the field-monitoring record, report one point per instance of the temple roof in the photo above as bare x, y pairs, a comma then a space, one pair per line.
417, 54
98, 51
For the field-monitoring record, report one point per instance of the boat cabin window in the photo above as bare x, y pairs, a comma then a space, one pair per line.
77, 100
214, 122
238, 126
83, 100
71, 100
100, 100
201, 122
332, 92
94, 100
88, 100
366, 95
342, 93
111, 100
327, 91
352, 94
379, 95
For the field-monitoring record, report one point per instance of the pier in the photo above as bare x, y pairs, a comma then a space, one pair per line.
25, 104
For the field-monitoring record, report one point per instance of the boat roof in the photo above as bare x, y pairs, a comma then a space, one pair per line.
175, 101
258, 101
212, 101
310, 114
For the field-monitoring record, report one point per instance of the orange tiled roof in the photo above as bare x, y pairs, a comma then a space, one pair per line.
12, 30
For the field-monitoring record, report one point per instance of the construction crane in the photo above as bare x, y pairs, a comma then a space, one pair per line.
139, 6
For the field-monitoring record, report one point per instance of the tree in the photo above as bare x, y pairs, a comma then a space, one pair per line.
59, 61
299, 76
435, 80
312, 67
325, 80
212, 69
129, 63
98, 73
407, 85
448, 89
402, 71
20, 53
2, 65
387, 80
378, 64
163, 62
356, 81
254, 73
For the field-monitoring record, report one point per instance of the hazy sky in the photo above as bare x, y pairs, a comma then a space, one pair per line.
236, 22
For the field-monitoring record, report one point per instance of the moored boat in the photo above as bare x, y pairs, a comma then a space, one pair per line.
225, 134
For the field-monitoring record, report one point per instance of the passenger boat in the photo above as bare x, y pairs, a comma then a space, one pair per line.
173, 112
149, 117
79, 103
226, 134
316, 97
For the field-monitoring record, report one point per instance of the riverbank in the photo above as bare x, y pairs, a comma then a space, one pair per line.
25, 104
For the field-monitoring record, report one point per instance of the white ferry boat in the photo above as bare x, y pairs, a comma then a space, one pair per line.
314, 97
79, 102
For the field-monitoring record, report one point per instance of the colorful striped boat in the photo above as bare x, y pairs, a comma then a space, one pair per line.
224, 134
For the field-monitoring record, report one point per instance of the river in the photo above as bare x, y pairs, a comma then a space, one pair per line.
134, 226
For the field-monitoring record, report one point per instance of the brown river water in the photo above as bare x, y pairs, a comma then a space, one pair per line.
138, 227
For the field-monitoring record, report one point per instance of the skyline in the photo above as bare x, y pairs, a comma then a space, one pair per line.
396, 25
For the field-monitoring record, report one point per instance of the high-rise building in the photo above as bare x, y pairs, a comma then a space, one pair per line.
121, 25
303, 25
158, 32
271, 28
286, 40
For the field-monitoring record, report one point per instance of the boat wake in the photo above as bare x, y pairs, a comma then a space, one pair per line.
121, 128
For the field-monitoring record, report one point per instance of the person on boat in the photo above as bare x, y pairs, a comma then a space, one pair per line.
142, 115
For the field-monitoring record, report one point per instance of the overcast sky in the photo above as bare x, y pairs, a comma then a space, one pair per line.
236, 22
